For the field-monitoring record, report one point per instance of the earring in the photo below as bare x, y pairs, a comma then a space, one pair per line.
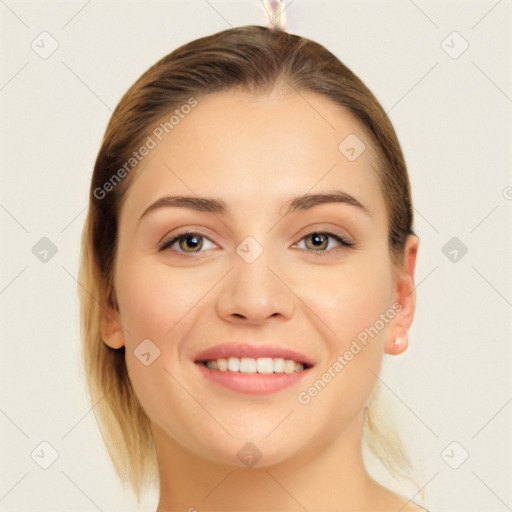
397, 342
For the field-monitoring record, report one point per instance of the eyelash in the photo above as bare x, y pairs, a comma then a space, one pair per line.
345, 243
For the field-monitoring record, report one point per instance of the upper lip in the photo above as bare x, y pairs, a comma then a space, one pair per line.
255, 351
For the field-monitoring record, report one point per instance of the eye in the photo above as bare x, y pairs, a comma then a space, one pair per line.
188, 242
320, 241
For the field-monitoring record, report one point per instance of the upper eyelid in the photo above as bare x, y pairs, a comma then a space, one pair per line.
166, 239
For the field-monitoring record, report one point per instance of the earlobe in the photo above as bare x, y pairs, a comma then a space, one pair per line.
405, 295
397, 346
112, 332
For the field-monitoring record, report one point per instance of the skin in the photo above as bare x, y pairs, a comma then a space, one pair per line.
255, 153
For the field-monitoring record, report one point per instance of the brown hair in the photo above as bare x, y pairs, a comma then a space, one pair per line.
253, 59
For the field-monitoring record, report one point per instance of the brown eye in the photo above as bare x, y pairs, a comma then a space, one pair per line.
187, 242
319, 242
192, 242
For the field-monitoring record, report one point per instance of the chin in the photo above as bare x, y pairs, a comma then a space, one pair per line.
251, 452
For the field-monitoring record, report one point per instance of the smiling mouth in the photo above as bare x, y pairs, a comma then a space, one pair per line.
249, 365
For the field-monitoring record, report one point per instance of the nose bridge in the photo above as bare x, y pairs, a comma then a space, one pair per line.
252, 290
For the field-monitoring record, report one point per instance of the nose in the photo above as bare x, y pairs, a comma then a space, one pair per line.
254, 292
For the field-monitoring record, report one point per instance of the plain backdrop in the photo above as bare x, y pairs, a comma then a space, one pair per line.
442, 70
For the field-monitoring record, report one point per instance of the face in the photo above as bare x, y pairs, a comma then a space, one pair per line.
257, 280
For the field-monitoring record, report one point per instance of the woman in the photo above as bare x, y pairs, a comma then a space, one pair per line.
248, 259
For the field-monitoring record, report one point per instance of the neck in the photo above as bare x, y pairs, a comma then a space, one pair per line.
330, 478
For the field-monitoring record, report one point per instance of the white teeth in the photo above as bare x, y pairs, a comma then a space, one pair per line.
247, 365
278, 365
222, 364
233, 364
289, 366
266, 365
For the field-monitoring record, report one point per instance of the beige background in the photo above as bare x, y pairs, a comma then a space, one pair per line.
453, 117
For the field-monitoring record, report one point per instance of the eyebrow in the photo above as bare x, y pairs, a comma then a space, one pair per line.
218, 206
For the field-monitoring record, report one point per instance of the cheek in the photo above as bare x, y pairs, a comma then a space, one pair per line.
352, 298
156, 303
151, 304
152, 300
353, 304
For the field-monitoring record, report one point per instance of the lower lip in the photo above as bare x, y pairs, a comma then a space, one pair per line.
252, 383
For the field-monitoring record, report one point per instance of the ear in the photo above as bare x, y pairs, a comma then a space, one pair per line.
405, 295
112, 332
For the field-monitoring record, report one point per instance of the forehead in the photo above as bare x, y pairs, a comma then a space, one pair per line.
256, 150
